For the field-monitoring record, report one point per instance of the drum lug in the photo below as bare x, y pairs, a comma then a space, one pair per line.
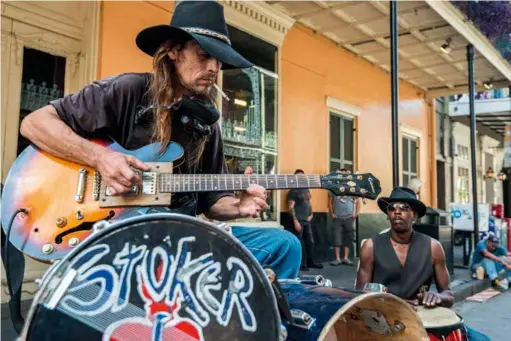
312, 280
100, 225
283, 333
226, 227
302, 319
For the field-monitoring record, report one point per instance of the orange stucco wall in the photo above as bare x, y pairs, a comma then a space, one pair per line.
120, 23
313, 68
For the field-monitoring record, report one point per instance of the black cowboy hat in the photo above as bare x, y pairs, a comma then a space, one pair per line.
405, 195
204, 21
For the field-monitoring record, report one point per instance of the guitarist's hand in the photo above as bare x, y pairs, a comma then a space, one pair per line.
116, 172
253, 201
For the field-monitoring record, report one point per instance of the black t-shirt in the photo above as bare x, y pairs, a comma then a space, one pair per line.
301, 197
110, 109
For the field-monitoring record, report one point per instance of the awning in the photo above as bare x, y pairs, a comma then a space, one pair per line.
424, 26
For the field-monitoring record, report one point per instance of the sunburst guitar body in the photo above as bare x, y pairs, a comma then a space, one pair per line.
63, 199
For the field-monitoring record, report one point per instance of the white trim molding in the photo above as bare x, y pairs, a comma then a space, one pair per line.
258, 19
343, 107
411, 131
457, 20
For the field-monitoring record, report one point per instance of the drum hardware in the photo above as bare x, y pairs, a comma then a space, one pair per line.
312, 279
226, 227
374, 287
283, 333
60, 285
302, 319
282, 303
376, 322
100, 225
398, 326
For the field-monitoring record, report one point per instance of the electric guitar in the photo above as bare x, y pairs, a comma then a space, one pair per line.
63, 199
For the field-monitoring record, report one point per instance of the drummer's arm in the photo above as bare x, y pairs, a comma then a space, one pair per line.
442, 279
365, 268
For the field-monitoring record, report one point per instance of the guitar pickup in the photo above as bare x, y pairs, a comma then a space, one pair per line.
133, 191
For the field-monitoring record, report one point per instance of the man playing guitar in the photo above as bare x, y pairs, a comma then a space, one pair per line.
133, 109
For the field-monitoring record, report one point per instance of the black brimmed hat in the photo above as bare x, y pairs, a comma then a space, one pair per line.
204, 21
405, 195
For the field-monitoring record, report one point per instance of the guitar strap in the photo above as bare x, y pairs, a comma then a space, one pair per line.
14, 271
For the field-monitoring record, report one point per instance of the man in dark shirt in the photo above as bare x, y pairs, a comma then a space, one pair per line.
132, 109
299, 202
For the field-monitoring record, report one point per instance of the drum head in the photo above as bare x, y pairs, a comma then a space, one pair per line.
156, 277
373, 316
439, 319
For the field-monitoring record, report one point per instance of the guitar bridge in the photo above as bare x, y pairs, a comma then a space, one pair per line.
146, 194
149, 183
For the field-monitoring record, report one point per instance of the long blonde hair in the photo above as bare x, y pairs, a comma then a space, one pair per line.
162, 88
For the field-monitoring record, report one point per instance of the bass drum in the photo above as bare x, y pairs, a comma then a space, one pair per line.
155, 277
322, 313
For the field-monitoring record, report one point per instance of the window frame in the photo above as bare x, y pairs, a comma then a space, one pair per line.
408, 172
343, 116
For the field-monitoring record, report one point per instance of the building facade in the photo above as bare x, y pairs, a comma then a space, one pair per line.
312, 102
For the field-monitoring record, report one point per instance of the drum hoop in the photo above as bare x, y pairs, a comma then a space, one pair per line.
334, 318
134, 220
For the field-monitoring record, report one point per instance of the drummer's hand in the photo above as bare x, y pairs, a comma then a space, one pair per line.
413, 303
430, 299
253, 201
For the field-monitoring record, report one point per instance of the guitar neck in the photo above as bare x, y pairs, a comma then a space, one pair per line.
176, 183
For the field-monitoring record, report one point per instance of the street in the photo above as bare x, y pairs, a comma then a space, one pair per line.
492, 317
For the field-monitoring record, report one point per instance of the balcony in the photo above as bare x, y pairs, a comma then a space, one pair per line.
492, 109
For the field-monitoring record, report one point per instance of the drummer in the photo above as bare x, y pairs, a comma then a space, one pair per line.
404, 260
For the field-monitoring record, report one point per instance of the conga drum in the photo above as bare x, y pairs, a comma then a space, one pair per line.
157, 277
322, 313
442, 324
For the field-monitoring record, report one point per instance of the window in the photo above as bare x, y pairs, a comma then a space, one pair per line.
462, 152
410, 160
249, 118
463, 190
342, 146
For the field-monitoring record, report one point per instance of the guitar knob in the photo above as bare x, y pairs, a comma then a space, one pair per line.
48, 248
61, 222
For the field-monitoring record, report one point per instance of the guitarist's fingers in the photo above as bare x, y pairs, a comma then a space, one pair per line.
257, 191
117, 188
261, 203
134, 162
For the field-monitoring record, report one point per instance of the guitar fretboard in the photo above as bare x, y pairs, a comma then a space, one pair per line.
176, 183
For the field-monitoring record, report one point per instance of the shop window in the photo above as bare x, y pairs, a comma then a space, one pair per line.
463, 184
342, 146
42, 81
410, 160
250, 116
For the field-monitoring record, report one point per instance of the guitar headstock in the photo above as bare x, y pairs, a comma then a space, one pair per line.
349, 184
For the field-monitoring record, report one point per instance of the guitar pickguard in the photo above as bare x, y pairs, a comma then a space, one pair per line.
146, 194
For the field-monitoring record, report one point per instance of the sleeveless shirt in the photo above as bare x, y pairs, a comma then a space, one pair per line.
403, 281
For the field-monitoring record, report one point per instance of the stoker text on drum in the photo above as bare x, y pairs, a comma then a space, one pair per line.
163, 282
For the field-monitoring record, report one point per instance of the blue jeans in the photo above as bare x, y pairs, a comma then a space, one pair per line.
474, 335
492, 268
274, 247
